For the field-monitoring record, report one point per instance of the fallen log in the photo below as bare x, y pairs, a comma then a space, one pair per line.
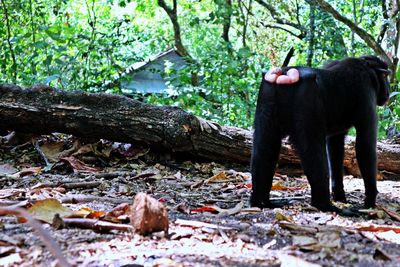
43, 110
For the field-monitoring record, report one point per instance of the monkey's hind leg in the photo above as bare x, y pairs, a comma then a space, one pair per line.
266, 148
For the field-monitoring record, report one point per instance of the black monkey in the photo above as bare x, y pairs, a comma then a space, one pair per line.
316, 112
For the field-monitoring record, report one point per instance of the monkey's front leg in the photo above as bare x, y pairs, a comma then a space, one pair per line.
366, 158
335, 146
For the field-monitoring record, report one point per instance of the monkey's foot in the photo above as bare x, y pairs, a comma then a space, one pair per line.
259, 203
350, 212
369, 203
270, 204
326, 207
339, 196
347, 212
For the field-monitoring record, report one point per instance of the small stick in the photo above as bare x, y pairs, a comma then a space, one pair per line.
96, 225
198, 224
37, 147
112, 175
70, 185
84, 199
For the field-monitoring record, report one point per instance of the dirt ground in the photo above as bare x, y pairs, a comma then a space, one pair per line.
210, 222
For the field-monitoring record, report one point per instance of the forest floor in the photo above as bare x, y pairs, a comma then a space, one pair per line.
210, 222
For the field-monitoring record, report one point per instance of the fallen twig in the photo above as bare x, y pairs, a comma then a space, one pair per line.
5, 202
84, 199
112, 175
198, 224
231, 211
44, 235
69, 185
392, 214
317, 228
96, 225
143, 175
378, 228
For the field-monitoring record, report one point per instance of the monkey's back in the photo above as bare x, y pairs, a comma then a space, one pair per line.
332, 98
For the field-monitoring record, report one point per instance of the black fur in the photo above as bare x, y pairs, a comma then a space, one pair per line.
316, 113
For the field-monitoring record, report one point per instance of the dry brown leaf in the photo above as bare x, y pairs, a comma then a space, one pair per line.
148, 215
98, 149
121, 209
218, 178
85, 149
320, 240
77, 165
280, 186
53, 150
45, 210
281, 217
96, 214
82, 212
27, 171
228, 176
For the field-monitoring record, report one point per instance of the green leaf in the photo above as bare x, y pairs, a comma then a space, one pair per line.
40, 44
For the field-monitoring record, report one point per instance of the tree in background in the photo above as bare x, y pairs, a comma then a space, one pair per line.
389, 29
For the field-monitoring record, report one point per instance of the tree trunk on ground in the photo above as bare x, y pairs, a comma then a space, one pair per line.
43, 110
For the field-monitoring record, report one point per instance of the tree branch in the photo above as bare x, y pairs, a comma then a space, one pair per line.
278, 19
164, 6
227, 21
369, 40
394, 8
300, 36
173, 15
384, 25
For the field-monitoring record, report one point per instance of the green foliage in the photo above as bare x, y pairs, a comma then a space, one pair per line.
71, 44
228, 91
88, 44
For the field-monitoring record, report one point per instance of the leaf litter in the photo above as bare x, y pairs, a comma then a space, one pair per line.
185, 214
